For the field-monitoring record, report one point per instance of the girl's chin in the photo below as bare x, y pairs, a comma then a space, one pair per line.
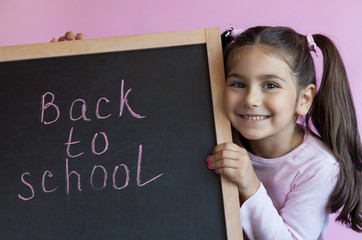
251, 135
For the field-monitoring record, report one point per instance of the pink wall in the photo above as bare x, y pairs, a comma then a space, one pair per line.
35, 21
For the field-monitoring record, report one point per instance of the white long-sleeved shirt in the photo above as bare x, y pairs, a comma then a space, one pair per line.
291, 201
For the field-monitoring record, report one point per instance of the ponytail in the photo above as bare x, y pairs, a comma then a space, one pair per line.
333, 116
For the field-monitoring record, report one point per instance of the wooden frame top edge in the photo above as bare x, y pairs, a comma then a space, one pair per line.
101, 45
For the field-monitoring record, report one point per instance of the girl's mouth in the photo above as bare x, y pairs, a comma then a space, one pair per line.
254, 117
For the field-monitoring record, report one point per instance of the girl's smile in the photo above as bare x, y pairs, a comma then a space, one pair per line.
251, 118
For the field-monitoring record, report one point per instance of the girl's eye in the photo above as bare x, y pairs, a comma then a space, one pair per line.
237, 85
270, 85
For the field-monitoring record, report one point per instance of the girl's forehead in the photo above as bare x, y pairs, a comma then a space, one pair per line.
255, 62
257, 56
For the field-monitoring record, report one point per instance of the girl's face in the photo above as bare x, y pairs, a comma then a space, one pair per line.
261, 95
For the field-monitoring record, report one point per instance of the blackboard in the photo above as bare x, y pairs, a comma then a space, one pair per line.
111, 144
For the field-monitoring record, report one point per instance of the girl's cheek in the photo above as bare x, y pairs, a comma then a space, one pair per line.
229, 101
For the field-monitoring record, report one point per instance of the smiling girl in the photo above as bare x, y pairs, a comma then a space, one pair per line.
290, 177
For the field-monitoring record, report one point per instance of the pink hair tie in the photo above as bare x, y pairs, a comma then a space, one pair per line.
311, 44
234, 33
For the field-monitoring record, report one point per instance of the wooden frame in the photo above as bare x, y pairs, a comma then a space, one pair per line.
210, 37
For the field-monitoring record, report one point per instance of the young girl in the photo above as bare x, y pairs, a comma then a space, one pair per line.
290, 177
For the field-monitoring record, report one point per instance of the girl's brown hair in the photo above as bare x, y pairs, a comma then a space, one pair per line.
332, 114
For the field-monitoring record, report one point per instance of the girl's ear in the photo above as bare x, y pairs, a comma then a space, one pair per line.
305, 99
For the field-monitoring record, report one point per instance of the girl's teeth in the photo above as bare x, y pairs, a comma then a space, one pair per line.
254, 117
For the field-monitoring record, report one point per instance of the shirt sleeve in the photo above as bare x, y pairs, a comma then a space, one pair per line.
302, 217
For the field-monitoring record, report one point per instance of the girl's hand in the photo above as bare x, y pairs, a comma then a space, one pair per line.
69, 36
233, 162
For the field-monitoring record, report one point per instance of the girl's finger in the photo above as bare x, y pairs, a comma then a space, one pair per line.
224, 154
69, 36
79, 36
62, 39
228, 146
226, 171
224, 163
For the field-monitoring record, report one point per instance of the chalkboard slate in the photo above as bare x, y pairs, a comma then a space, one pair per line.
109, 145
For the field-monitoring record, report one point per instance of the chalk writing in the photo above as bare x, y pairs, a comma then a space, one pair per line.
84, 109
67, 175
105, 176
71, 143
97, 109
49, 174
78, 177
27, 184
72, 178
139, 170
94, 144
114, 177
47, 105
124, 101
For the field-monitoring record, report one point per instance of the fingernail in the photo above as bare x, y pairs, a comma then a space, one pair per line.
71, 39
209, 165
213, 152
208, 159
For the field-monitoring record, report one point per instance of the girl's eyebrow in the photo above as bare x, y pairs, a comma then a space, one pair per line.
236, 75
270, 76
261, 77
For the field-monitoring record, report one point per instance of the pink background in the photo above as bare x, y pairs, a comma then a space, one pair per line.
37, 21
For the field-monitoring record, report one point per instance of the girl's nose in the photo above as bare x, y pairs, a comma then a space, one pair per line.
252, 98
